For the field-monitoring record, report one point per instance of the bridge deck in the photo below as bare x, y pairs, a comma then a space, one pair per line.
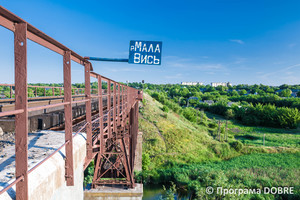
40, 145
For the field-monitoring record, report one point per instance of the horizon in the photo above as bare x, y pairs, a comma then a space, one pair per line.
204, 84
202, 41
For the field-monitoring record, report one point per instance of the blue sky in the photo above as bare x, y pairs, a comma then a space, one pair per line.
208, 41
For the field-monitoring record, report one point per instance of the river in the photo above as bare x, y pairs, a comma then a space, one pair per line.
153, 192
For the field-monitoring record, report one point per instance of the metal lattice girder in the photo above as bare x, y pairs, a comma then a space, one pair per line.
112, 163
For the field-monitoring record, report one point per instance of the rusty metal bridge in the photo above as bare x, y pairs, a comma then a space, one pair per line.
111, 132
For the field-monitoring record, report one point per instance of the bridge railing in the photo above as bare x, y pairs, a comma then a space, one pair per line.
118, 112
42, 91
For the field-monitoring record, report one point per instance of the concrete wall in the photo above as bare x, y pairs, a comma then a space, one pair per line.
48, 180
138, 153
114, 193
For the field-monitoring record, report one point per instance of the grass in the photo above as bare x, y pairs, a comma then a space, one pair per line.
191, 156
169, 138
254, 171
274, 137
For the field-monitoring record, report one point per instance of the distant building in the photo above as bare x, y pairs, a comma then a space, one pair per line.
191, 83
209, 102
216, 84
229, 104
294, 93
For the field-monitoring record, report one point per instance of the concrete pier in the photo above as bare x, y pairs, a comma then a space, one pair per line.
113, 193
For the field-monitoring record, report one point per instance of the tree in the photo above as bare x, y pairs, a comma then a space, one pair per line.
184, 92
284, 86
234, 93
243, 92
270, 90
285, 93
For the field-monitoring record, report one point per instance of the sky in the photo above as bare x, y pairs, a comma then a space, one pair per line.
243, 42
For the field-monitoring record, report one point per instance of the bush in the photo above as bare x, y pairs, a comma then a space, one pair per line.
165, 115
229, 114
88, 174
165, 109
145, 161
222, 150
237, 145
212, 125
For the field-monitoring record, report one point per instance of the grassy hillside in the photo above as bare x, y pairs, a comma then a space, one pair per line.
169, 138
177, 150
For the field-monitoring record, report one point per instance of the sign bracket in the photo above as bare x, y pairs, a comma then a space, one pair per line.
107, 59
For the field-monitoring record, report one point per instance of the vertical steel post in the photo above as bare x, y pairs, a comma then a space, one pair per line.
131, 132
122, 105
108, 108
100, 115
118, 104
125, 104
68, 119
10, 92
114, 107
134, 132
21, 120
128, 106
88, 107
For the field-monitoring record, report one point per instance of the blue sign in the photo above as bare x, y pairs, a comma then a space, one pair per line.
145, 52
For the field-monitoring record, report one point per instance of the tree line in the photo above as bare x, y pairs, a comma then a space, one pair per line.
265, 109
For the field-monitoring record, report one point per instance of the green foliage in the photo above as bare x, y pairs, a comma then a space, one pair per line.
260, 111
237, 145
145, 161
274, 137
169, 194
269, 115
269, 99
165, 109
248, 171
230, 114
88, 174
285, 93
258, 115
177, 148
243, 92
212, 125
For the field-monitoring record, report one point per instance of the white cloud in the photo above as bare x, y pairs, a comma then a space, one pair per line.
186, 65
292, 45
238, 41
239, 60
211, 67
288, 75
125, 70
176, 76
204, 57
